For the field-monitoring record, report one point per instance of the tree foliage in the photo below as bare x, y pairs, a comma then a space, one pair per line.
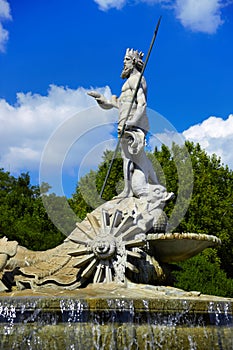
210, 207
184, 170
87, 194
22, 214
199, 274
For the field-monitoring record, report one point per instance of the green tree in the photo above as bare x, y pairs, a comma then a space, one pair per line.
22, 214
184, 170
210, 207
114, 183
199, 274
86, 197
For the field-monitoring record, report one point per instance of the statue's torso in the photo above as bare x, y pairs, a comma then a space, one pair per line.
125, 100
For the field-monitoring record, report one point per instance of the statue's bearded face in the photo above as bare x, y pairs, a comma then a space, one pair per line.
128, 67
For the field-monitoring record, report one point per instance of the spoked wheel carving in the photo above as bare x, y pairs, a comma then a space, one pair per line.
104, 254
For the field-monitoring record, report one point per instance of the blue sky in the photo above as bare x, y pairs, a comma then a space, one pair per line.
52, 52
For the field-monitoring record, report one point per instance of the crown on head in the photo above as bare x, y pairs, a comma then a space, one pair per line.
134, 54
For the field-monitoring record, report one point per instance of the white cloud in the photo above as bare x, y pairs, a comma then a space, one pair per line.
107, 4
4, 10
4, 15
215, 135
27, 126
197, 15
75, 132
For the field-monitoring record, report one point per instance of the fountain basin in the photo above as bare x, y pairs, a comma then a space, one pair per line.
175, 247
115, 317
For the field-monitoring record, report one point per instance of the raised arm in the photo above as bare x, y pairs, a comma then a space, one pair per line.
102, 101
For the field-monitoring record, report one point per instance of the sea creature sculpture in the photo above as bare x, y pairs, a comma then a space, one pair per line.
110, 246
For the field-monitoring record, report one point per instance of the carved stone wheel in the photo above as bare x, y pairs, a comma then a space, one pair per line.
104, 254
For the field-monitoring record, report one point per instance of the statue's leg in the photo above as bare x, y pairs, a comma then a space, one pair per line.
128, 172
128, 168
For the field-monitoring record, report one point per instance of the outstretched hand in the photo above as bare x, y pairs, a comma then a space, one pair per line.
100, 99
94, 94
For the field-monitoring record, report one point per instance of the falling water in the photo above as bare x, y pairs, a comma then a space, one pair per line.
122, 324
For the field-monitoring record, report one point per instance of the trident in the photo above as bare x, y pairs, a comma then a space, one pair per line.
131, 105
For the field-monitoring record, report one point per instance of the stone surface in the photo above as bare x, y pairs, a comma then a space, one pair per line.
117, 242
81, 293
115, 317
125, 239
133, 126
175, 247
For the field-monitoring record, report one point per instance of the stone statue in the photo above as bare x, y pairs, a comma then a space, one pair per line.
138, 170
124, 239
